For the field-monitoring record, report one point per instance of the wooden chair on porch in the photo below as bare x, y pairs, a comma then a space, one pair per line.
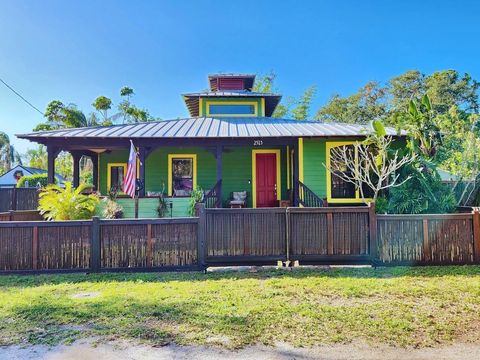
238, 199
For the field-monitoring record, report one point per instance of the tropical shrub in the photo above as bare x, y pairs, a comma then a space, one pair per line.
162, 207
111, 209
56, 203
195, 198
424, 193
33, 180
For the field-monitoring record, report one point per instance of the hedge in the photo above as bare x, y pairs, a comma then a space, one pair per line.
33, 180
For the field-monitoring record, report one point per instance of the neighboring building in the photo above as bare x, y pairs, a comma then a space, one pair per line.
230, 143
10, 178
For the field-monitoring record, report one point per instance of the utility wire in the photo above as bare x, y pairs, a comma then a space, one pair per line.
20, 96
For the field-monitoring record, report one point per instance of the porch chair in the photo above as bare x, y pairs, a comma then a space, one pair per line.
238, 199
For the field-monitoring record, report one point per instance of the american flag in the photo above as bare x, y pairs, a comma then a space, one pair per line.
131, 177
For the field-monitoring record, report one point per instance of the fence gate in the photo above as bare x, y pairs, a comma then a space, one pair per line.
309, 235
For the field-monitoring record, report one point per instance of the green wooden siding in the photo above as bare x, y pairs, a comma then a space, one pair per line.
203, 101
156, 168
117, 156
237, 169
147, 207
314, 172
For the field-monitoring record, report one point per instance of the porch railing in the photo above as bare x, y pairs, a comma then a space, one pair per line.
213, 198
306, 197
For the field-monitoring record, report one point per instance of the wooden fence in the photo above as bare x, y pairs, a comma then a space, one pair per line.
429, 239
342, 235
18, 199
99, 245
21, 215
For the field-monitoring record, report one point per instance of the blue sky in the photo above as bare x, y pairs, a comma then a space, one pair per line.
76, 50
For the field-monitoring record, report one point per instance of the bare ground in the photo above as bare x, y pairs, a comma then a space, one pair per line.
90, 350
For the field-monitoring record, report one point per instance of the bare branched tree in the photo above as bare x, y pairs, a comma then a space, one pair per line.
369, 164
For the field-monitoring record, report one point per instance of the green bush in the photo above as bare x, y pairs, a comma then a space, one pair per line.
195, 198
33, 180
56, 203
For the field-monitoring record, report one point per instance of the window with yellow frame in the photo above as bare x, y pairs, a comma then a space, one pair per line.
115, 176
232, 108
182, 174
339, 190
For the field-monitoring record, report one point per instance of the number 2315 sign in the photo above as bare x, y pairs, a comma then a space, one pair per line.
257, 142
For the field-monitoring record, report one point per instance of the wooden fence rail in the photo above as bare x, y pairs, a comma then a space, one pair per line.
342, 235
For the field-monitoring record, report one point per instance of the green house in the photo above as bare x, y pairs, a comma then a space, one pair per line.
229, 144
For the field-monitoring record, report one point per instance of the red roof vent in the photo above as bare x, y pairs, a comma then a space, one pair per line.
231, 84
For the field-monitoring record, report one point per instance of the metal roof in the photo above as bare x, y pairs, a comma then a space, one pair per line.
209, 127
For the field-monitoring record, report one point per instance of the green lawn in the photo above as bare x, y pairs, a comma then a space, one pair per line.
399, 306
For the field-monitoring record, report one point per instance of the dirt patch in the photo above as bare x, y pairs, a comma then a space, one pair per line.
86, 295
85, 350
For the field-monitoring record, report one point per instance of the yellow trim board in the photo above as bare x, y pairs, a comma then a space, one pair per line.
109, 174
263, 107
181, 156
357, 199
300, 159
254, 173
254, 103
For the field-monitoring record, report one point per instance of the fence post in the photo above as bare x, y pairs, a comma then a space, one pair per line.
95, 245
201, 234
372, 228
287, 233
11, 215
476, 235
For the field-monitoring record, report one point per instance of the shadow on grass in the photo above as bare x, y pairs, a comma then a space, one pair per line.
12, 281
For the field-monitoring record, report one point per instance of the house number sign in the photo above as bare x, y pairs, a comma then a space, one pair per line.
257, 142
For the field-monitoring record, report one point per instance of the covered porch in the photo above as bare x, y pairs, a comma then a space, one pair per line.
265, 169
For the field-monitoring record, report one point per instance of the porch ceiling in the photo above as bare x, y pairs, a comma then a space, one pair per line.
208, 128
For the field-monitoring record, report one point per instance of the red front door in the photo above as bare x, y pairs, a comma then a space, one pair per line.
266, 180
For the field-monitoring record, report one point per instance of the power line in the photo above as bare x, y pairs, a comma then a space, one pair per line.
20, 96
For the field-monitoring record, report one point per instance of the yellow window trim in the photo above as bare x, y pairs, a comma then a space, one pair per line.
254, 173
263, 107
254, 103
109, 173
357, 199
181, 156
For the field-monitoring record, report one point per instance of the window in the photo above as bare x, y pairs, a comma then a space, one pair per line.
232, 108
341, 189
115, 176
338, 190
182, 174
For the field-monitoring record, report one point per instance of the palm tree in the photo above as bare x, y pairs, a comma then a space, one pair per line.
8, 154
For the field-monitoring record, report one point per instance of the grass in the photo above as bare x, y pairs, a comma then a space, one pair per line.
398, 306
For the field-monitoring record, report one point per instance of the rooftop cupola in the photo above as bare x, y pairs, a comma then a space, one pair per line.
227, 82
231, 95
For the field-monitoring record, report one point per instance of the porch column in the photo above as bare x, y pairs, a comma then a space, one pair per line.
76, 167
295, 174
141, 174
94, 158
218, 156
52, 153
